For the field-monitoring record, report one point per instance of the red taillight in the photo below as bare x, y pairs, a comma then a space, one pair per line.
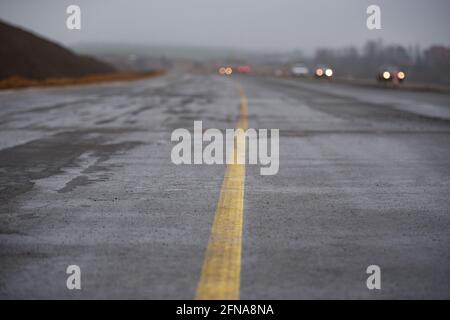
244, 69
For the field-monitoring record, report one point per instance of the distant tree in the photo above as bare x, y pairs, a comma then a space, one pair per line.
430, 65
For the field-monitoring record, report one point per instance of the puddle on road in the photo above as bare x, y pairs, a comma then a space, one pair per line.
70, 176
52, 163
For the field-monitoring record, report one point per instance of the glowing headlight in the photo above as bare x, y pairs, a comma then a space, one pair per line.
319, 72
386, 75
222, 70
401, 75
328, 72
228, 71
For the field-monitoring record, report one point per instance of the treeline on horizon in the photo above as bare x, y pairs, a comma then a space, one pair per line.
430, 65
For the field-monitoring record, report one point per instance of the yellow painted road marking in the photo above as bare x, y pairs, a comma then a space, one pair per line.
221, 271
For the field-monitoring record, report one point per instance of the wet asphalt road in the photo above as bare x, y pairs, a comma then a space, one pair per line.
86, 179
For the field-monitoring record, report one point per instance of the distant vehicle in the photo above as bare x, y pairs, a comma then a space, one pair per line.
324, 72
299, 70
391, 74
244, 69
278, 72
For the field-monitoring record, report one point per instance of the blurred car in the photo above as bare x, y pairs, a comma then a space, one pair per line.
391, 74
299, 70
324, 72
278, 72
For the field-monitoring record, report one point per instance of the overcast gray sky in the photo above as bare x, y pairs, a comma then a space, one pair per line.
273, 25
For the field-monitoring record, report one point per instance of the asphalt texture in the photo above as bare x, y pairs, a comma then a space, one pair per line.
86, 178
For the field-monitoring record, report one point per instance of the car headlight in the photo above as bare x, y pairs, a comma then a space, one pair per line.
319, 72
401, 75
328, 72
386, 75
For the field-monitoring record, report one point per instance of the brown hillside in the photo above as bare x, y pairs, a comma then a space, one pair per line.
27, 55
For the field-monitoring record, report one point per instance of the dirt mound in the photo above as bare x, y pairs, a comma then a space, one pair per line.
27, 55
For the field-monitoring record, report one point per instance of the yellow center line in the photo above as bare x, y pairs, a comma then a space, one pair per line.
221, 272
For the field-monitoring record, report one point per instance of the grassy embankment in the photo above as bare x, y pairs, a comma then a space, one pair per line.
17, 82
